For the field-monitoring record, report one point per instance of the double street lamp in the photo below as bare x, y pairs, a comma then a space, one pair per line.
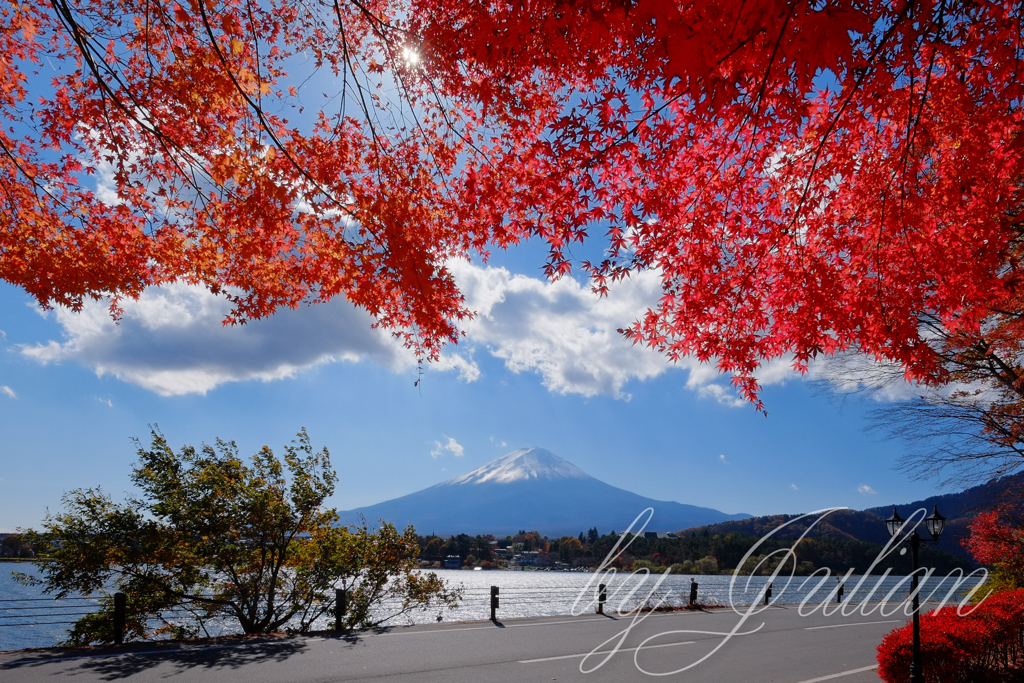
934, 523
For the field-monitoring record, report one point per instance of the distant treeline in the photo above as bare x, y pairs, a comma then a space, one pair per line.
690, 552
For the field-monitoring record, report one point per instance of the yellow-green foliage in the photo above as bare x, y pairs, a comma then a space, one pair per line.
219, 537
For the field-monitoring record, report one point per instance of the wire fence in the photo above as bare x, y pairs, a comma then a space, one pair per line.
622, 594
15, 612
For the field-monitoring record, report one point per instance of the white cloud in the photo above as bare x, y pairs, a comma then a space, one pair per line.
853, 372
452, 447
468, 370
721, 458
569, 336
172, 341
716, 392
8, 391
793, 486
560, 330
884, 381
866, 490
105, 401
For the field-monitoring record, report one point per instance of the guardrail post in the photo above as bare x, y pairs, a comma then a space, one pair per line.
120, 610
601, 597
494, 603
340, 607
693, 592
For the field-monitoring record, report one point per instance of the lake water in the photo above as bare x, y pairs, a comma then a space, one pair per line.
28, 620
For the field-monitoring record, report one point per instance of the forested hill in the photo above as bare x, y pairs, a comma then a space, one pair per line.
869, 525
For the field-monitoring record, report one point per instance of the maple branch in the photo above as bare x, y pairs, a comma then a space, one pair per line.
912, 129
359, 89
615, 142
375, 22
939, 25
256, 47
170, 147
36, 185
758, 97
858, 81
264, 123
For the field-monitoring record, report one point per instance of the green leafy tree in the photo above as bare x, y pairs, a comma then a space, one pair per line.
706, 565
434, 549
212, 536
482, 548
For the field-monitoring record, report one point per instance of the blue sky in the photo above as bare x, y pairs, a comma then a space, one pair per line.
542, 366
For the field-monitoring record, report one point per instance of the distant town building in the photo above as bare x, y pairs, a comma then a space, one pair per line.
529, 558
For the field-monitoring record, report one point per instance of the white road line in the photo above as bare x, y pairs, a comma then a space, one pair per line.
546, 623
480, 628
860, 623
602, 652
542, 623
842, 673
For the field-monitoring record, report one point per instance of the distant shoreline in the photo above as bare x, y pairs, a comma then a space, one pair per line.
24, 559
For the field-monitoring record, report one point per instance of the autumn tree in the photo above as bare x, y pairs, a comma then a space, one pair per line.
971, 431
13, 545
972, 427
805, 177
531, 540
569, 548
434, 549
997, 540
215, 538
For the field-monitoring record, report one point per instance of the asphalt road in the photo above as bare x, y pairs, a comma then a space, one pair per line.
785, 647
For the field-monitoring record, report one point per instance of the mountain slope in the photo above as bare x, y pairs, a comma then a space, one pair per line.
869, 525
530, 489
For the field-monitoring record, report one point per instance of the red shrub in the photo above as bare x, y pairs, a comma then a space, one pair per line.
997, 539
992, 539
986, 646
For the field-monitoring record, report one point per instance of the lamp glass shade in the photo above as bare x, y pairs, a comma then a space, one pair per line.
935, 523
894, 523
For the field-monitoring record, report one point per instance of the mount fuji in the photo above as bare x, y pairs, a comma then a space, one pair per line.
530, 489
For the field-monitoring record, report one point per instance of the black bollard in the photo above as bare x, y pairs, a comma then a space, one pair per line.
340, 607
693, 592
601, 597
120, 614
494, 603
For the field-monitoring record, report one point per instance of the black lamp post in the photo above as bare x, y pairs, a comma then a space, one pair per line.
935, 523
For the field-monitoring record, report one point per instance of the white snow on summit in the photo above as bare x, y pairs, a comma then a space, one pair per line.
522, 465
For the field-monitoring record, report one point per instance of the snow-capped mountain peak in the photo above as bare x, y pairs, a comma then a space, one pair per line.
529, 489
524, 464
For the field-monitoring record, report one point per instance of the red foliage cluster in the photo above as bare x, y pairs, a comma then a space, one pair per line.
986, 645
993, 540
997, 539
805, 177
